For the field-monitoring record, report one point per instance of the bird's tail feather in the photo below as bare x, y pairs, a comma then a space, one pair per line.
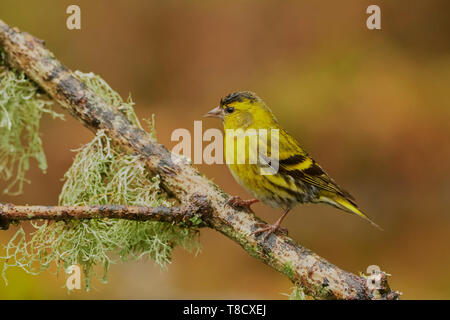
346, 205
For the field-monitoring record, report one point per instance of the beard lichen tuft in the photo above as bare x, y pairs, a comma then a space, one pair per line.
21, 109
102, 174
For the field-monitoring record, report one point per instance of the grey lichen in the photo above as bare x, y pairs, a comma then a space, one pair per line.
21, 110
102, 174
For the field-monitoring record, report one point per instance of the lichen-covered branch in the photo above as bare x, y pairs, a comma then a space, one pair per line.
188, 215
318, 277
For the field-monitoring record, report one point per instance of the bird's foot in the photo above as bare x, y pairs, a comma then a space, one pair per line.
268, 229
237, 202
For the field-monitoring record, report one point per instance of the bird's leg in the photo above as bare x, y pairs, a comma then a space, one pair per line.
271, 228
237, 202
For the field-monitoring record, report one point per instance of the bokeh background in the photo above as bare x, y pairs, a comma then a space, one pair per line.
372, 107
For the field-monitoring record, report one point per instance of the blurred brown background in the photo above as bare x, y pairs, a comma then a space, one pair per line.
371, 106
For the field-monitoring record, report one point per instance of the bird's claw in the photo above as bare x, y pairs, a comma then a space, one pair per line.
269, 229
237, 202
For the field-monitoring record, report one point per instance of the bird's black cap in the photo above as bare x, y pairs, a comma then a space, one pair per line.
238, 96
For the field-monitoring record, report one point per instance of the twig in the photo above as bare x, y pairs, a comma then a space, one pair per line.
318, 277
179, 214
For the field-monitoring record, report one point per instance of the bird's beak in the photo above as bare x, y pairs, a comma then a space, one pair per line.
215, 113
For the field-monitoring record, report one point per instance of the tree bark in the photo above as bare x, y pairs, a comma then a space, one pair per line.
318, 277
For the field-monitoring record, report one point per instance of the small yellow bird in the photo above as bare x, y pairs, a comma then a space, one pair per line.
298, 178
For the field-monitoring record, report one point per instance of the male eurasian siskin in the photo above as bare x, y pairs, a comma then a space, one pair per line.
299, 179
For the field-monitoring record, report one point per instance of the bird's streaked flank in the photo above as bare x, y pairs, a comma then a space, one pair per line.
299, 178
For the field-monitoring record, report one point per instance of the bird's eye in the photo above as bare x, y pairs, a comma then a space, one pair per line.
229, 109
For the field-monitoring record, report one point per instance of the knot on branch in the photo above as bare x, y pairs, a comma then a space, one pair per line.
196, 211
377, 286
